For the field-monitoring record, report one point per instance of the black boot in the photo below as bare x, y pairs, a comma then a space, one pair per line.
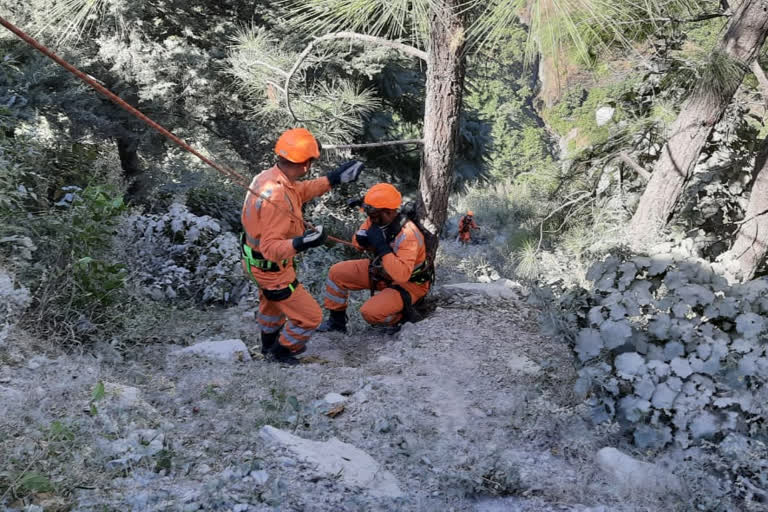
337, 321
268, 341
284, 356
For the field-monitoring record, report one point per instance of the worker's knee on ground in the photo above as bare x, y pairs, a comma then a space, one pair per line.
374, 315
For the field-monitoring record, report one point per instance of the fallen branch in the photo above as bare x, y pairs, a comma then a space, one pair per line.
567, 203
634, 165
374, 144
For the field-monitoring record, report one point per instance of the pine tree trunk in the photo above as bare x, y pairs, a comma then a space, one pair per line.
127, 149
744, 36
445, 83
749, 249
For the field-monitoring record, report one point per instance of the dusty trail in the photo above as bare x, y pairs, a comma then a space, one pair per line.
468, 404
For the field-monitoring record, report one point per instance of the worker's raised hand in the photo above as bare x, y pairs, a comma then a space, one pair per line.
346, 172
310, 238
378, 241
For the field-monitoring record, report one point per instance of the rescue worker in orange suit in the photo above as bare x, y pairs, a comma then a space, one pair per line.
466, 225
288, 315
398, 259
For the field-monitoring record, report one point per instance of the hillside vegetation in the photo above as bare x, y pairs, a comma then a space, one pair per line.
600, 346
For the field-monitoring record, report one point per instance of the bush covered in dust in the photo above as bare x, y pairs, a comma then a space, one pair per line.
181, 255
668, 346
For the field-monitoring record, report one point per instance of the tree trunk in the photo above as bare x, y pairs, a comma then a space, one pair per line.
127, 149
445, 83
749, 249
699, 114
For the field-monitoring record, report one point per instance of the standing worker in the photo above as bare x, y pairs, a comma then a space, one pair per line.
466, 224
398, 270
273, 233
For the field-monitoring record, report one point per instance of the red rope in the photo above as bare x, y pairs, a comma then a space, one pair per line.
239, 179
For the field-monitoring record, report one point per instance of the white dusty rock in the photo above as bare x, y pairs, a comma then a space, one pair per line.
334, 398
227, 350
603, 115
636, 474
124, 397
491, 290
332, 457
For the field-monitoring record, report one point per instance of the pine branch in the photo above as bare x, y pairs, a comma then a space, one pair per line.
408, 50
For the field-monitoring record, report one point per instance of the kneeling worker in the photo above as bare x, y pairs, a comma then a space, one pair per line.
274, 233
397, 268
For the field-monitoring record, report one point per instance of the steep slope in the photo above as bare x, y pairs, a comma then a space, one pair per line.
459, 409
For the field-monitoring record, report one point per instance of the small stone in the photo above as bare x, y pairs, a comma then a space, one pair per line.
334, 398
260, 477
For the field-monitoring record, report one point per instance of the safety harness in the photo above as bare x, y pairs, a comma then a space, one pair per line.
254, 259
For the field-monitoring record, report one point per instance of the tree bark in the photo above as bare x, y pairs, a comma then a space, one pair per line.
127, 150
744, 36
751, 245
444, 87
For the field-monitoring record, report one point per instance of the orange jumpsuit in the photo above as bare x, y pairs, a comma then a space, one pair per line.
386, 306
269, 229
465, 228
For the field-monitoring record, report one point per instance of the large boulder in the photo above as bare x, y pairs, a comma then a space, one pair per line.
226, 350
356, 468
634, 474
496, 290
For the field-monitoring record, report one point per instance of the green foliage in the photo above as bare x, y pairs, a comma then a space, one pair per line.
582, 30
502, 93
59, 237
40, 470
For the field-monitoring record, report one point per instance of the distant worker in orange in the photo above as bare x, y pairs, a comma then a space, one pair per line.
466, 225
396, 273
273, 233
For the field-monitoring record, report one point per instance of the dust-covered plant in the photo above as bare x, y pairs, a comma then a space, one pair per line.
668, 348
180, 255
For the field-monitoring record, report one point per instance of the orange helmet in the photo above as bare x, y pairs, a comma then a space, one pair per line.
470, 213
297, 146
383, 195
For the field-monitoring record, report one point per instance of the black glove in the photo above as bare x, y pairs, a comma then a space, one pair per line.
378, 240
362, 238
346, 172
355, 203
310, 238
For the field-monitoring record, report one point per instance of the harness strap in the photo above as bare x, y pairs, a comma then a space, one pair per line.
409, 314
254, 258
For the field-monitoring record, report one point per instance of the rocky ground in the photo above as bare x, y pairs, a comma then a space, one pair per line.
470, 409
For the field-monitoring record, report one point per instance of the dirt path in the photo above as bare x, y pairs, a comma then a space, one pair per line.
462, 407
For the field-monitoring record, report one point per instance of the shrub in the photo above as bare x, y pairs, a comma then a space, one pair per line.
180, 255
666, 346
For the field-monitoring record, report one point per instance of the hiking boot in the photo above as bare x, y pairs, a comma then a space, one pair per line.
337, 321
268, 341
386, 330
282, 355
